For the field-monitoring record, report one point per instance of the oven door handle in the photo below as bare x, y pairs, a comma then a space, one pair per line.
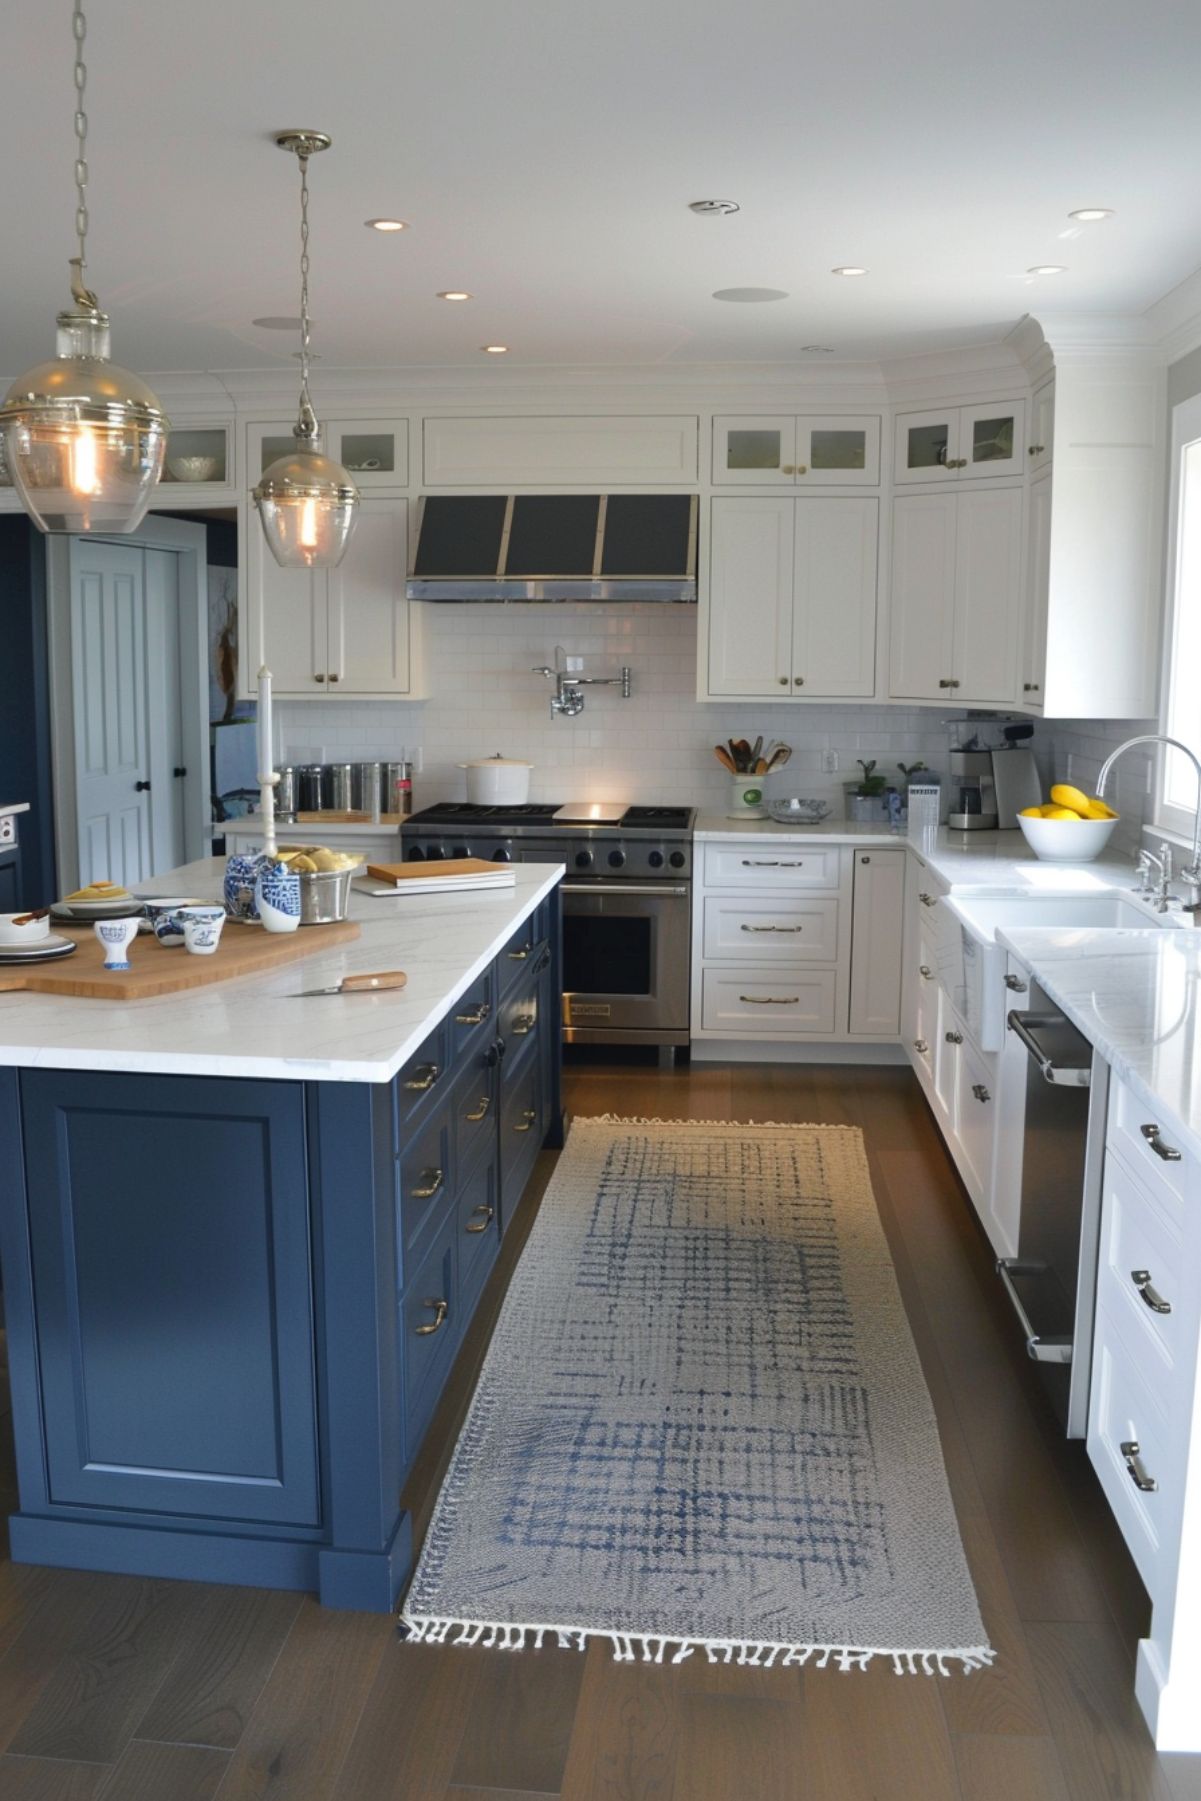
662, 889
1061, 1075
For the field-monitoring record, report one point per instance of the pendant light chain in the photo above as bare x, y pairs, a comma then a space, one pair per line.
306, 404
79, 30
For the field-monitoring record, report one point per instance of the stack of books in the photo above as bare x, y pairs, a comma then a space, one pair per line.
440, 878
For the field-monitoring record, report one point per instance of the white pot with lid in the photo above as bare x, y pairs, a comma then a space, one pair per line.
498, 781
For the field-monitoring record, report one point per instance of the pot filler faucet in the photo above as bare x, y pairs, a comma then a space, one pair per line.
1191, 876
567, 701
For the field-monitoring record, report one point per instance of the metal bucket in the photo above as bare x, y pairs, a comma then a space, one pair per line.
324, 896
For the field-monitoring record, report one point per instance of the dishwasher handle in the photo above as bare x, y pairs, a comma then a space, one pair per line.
1062, 1075
1048, 1349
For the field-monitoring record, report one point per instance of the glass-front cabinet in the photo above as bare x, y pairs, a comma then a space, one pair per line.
375, 452
757, 450
948, 443
198, 459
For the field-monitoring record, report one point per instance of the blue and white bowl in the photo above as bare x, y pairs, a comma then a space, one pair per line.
277, 897
165, 922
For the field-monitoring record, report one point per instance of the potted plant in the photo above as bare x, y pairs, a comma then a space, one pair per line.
867, 801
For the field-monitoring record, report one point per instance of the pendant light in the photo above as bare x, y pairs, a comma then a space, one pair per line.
83, 438
306, 501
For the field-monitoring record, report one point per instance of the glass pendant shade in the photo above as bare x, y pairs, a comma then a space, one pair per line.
84, 439
307, 504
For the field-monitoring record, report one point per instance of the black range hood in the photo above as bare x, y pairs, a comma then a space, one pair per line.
555, 547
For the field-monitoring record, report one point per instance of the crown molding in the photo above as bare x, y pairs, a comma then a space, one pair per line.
1176, 318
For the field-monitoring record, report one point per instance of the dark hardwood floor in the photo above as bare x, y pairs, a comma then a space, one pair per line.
117, 1689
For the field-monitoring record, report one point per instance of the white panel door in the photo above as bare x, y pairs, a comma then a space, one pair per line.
988, 594
1038, 594
877, 942
922, 649
368, 612
751, 597
287, 612
112, 749
834, 622
164, 712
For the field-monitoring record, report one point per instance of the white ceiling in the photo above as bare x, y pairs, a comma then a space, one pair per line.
545, 152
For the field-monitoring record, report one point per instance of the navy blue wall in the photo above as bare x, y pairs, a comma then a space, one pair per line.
25, 703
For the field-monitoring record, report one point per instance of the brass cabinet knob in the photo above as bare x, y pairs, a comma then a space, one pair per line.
799, 680
785, 468
334, 678
783, 681
318, 678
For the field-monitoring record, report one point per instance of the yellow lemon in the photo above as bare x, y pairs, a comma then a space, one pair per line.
1097, 809
1032, 812
1064, 795
1059, 813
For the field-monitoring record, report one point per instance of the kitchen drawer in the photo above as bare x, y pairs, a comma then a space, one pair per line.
1122, 1411
925, 1022
472, 1012
521, 951
1137, 1240
517, 1022
768, 1002
425, 1176
522, 1129
1148, 1146
429, 1327
423, 1075
478, 1213
975, 1117
784, 864
791, 930
474, 1104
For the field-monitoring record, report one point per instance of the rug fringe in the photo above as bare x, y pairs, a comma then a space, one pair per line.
638, 1647
771, 1125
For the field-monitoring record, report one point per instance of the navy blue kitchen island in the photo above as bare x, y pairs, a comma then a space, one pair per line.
233, 1300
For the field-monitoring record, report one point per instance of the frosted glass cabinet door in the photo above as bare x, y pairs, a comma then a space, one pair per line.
750, 597
927, 446
374, 451
838, 452
992, 438
754, 450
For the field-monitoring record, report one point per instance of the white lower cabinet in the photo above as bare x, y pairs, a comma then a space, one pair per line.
876, 942
768, 1002
792, 929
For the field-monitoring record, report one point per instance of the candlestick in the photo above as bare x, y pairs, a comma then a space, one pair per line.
268, 776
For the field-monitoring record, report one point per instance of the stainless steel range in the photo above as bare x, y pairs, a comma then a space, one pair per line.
627, 904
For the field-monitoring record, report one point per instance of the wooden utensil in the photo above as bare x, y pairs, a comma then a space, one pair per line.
359, 984
724, 758
761, 766
742, 754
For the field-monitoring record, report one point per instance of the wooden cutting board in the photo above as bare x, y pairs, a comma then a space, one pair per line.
281, 829
157, 969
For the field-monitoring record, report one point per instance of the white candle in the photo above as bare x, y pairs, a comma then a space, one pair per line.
266, 733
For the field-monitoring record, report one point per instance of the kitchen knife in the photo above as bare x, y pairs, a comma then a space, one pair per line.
361, 984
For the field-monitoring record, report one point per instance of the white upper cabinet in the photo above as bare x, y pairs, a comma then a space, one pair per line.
1038, 577
957, 596
375, 452
199, 460
948, 443
816, 450
1041, 447
542, 451
284, 620
792, 597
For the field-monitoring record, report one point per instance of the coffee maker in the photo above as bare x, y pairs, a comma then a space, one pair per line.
973, 792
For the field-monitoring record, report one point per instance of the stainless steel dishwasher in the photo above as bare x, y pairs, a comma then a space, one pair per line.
1052, 1281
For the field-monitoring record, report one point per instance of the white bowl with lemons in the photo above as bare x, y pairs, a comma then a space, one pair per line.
1073, 827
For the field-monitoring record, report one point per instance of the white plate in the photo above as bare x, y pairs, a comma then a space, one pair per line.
41, 951
95, 909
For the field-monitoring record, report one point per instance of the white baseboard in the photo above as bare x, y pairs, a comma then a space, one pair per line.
732, 1050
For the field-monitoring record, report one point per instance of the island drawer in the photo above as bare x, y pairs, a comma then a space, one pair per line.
781, 864
522, 949
521, 1132
474, 1104
478, 1211
518, 1019
472, 1011
424, 1074
429, 1327
425, 1176
793, 929
1148, 1145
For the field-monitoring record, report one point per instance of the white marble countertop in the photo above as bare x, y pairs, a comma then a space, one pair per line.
309, 831
1134, 996
253, 1027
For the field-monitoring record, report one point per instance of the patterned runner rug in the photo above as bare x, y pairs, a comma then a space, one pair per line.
702, 1425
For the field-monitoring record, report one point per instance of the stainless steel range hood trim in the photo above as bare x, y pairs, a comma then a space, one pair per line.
678, 589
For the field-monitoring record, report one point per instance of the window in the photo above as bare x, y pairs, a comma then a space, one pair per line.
1176, 798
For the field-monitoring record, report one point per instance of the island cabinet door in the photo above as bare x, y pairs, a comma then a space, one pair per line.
171, 1260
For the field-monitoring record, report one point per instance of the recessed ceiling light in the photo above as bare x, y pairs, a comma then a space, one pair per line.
714, 208
1087, 214
387, 224
495, 349
1047, 269
750, 294
848, 269
278, 322
454, 294
819, 349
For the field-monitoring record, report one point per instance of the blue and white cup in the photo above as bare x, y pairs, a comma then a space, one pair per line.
241, 874
277, 897
201, 929
165, 921
116, 935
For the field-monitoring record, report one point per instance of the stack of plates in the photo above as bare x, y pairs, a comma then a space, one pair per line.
83, 912
39, 950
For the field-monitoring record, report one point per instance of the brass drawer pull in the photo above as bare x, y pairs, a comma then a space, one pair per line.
770, 1000
423, 1077
771, 863
474, 1019
925, 971
1168, 1152
953, 1037
789, 931
528, 1116
485, 1222
1016, 984
519, 956
1135, 1467
441, 1309
524, 1024
481, 1110
1155, 1301
981, 1092
927, 900
434, 1179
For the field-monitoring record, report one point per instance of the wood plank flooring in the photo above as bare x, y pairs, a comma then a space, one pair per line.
118, 1689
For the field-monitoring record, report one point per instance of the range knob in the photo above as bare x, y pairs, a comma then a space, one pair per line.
460, 850
414, 854
677, 859
656, 859
502, 855
616, 859
583, 859
435, 853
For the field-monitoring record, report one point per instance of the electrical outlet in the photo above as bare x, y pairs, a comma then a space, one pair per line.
415, 758
829, 762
